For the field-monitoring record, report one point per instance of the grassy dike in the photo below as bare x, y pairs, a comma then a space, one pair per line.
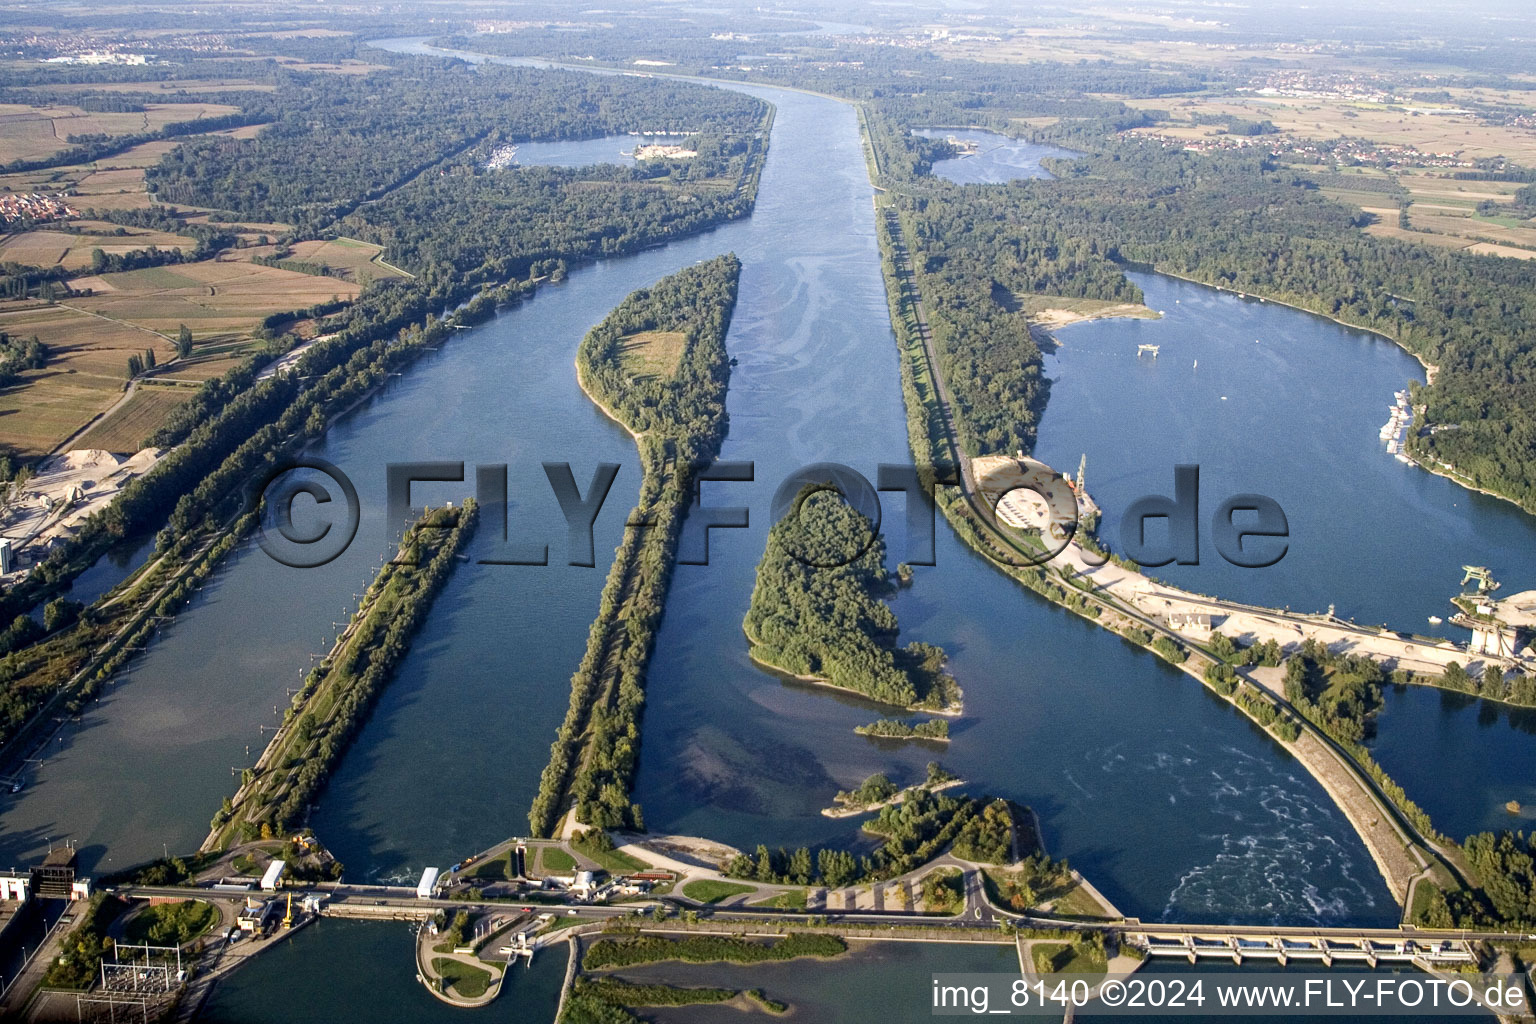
657, 364
1388, 822
338, 692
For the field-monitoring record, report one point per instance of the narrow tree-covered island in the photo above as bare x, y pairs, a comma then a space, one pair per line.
831, 624
657, 364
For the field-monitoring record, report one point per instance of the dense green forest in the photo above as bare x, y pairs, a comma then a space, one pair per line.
1505, 866
658, 364
337, 141
831, 623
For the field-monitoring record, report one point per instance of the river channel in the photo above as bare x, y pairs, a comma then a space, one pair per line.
1170, 801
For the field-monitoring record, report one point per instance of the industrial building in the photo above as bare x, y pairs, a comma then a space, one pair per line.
273, 879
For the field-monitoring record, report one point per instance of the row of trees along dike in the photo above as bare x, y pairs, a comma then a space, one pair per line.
337, 693
658, 365
236, 426
817, 611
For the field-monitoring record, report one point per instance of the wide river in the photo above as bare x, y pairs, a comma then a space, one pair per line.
1169, 800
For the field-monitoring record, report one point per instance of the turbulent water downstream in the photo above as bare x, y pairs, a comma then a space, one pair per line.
1169, 800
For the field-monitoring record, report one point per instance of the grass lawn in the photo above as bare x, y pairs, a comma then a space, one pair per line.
463, 979
652, 353
171, 924
562, 923
792, 900
1423, 893
555, 861
615, 862
1065, 958
1503, 220
1077, 902
708, 890
496, 868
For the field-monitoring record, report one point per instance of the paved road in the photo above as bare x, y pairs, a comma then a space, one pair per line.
399, 898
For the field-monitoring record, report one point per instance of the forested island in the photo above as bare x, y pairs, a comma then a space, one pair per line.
830, 624
877, 791
658, 365
935, 730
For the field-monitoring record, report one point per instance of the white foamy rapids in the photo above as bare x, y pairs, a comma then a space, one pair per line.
1280, 862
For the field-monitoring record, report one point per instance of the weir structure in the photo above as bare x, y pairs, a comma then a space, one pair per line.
1286, 945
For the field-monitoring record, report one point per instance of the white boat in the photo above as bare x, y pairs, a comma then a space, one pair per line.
1405, 460
1435, 620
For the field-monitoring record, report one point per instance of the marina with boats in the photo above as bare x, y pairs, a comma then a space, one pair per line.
1394, 431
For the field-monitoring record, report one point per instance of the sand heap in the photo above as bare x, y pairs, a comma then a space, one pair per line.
67, 489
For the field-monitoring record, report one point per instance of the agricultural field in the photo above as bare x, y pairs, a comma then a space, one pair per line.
84, 376
38, 415
1386, 226
125, 431
1442, 211
359, 260
46, 248
1490, 249
90, 338
1473, 227
79, 343
30, 133
1464, 136
1070, 44
219, 300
